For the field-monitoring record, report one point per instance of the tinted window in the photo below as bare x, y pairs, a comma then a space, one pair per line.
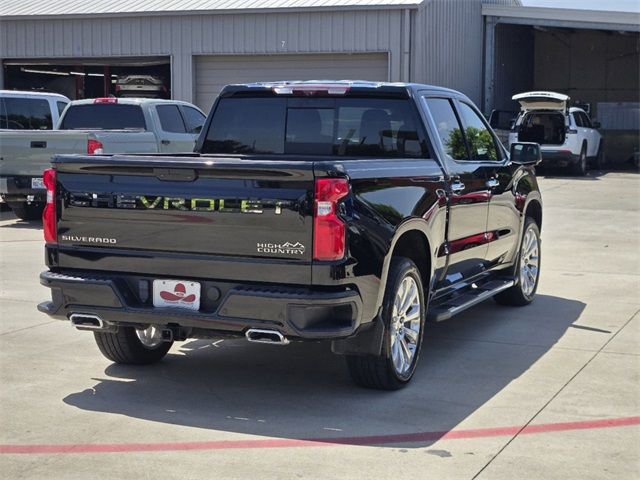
3, 115
103, 116
247, 125
448, 128
27, 113
323, 126
577, 119
170, 119
586, 121
480, 141
61, 106
376, 127
195, 119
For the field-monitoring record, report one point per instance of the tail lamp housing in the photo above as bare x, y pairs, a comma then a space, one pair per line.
49, 217
94, 147
329, 229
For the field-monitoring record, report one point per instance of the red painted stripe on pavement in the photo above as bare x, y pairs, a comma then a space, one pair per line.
320, 442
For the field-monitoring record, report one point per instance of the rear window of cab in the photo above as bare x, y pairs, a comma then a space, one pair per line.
103, 116
360, 127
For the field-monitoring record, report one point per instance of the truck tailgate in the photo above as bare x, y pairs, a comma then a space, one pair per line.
222, 218
29, 152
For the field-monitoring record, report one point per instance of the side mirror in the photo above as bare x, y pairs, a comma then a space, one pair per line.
526, 153
596, 124
197, 129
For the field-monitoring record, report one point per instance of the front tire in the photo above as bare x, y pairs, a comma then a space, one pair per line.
581, 167
599, 162
126, 345
528, 269
403, 314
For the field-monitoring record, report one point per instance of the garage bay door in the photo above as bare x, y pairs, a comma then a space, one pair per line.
214, 72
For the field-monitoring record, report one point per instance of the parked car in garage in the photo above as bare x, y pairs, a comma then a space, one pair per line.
100, 125
141, 86
30, 110
567, 136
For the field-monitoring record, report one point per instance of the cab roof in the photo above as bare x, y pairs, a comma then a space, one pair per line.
26, 93
343, 86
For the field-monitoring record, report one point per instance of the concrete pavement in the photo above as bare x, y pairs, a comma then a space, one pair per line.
547, 391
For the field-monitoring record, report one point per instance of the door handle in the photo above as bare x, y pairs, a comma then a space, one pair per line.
457, 186
165, 142
492, 183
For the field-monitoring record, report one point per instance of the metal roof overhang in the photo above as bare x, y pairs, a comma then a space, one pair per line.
563, 17
267, 6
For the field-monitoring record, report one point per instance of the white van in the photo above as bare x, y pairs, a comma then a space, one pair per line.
30, 110
567, 136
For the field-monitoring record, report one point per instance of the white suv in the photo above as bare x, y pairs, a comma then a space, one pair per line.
567, 136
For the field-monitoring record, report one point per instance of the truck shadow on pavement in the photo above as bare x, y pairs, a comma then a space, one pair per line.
302, 391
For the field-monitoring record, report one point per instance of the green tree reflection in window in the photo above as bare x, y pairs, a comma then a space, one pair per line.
481, 144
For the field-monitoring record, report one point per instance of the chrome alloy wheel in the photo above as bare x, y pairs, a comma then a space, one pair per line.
150, 337
529, 262
405, 325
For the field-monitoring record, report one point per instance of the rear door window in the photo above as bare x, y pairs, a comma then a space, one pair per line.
103, 116
586, 121
171, 119
27, 114
358, 127
577, 119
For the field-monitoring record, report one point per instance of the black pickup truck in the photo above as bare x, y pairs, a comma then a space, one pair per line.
350, 212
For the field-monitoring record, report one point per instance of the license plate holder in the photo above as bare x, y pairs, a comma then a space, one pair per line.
176, 294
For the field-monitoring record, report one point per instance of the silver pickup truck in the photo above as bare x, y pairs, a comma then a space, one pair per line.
94, 126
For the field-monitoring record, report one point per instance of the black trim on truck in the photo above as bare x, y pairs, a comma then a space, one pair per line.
296, 312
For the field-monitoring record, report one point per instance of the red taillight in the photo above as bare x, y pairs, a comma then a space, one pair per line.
328, 227
49, 219
94, 147
105, 100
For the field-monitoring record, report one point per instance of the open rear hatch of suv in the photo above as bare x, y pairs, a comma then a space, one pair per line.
542, 117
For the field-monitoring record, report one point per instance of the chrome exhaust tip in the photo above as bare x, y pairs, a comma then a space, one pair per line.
86, 321
274, 337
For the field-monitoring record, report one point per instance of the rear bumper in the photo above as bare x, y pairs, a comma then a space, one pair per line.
559, 158
18, 188
227, 309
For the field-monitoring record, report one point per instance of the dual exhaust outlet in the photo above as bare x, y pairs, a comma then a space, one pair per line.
274, 337
87, 321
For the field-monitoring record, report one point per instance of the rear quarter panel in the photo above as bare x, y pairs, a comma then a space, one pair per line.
388, 198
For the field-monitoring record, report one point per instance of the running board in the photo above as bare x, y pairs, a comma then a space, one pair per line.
469, 297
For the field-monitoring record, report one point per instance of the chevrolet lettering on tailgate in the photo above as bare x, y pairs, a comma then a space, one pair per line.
151, 202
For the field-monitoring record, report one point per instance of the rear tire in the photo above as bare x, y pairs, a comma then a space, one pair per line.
26, 211
403, 314
124, 346
581, 167
529, 255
